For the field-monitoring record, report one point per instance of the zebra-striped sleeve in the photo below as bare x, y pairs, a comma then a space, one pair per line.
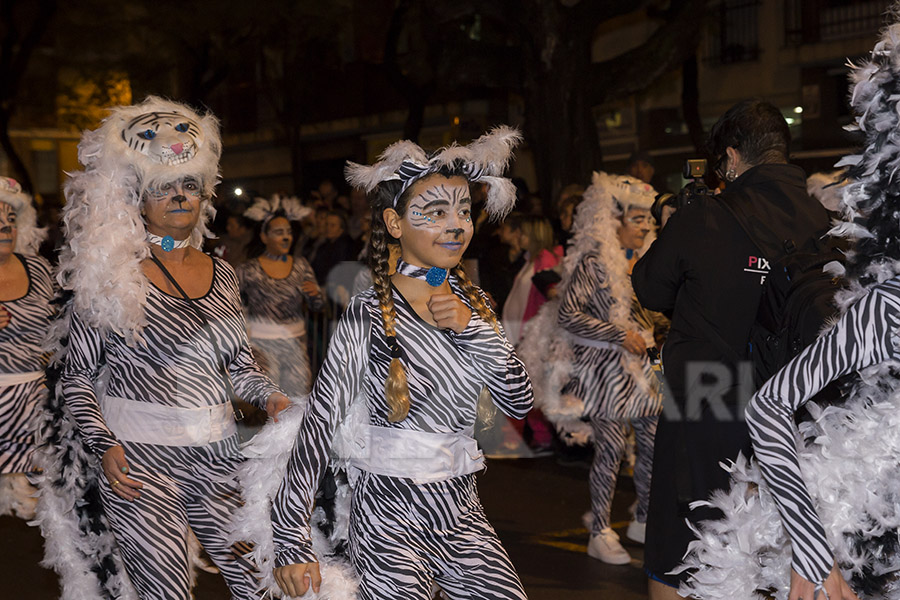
339, 381
588, 277
496, 361
860, 339
85, 352
305, 271
250, 383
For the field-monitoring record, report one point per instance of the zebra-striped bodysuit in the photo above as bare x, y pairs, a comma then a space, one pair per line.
183, 485
866, 335
280, 302
611, 396
405, 536
21, 352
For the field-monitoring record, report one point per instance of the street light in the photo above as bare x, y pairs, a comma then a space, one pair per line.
238, 191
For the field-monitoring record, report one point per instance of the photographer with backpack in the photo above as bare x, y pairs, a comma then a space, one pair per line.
708, 268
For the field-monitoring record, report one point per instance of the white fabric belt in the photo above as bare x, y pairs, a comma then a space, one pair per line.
270, 330
11, 379
149, 423
581, 341
421, 456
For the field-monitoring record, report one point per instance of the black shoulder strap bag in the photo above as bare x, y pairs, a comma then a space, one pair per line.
223, 370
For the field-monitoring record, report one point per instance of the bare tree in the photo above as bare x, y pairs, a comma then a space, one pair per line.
541, 50
22, 25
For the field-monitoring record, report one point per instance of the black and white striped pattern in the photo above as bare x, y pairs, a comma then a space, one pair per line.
610, 439
446, 372
599, 378
280, 301
410, 172
866, 335
609, 392
184, 490
404, 538
178, 366
21, 352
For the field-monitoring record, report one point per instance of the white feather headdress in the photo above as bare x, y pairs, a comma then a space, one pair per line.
28, 236
265, 209
483, 160
136, 148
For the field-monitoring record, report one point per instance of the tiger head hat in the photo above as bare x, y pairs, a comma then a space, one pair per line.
136, 148
29, 236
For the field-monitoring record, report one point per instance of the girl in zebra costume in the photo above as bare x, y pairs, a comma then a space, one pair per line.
593, 378
26, 289
400, 390
151, 349
275, 288
818, 506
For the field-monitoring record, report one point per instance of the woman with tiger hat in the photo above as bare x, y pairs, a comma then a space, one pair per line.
26, 291
413, 355
151, 350
587, 351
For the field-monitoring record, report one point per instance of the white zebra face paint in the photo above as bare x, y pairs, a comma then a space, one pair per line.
437, 225
636, 224
166, 138
8, 230
173, 207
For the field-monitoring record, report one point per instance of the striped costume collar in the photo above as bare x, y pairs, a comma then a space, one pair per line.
434, 276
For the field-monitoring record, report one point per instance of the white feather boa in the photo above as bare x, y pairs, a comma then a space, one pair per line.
546, 348
851, 465
260, 477
850, 455
105, 234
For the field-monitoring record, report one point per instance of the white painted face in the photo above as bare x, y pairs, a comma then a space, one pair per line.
8, 230
167, 138
437, 225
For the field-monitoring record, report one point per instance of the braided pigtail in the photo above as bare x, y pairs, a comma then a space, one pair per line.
475, 298
396, 388
485, 409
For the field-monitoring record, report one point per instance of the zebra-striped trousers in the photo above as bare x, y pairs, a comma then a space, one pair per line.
609, 446
182, 488
405, 538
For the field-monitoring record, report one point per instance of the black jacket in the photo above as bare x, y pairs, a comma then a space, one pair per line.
706, 270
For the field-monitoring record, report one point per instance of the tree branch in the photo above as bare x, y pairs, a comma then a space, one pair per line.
637, 69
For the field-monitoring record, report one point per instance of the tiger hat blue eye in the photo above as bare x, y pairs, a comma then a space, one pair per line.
182, 127
147, 134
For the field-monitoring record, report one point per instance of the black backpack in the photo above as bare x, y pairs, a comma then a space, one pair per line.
797, 301
797, 296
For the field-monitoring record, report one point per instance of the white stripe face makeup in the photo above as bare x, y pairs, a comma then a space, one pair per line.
437, 225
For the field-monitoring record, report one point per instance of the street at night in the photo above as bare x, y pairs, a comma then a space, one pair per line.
534, 504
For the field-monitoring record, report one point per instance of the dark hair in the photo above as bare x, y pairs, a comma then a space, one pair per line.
756, 129
340, 215
396, 388
255, 246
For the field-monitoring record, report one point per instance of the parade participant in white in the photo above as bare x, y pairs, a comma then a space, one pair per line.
154, 350
414, 353
596, 368
26, 289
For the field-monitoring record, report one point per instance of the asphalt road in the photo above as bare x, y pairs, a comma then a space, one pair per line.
535, 505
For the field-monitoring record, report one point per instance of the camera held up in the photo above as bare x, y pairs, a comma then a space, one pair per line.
666, 204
